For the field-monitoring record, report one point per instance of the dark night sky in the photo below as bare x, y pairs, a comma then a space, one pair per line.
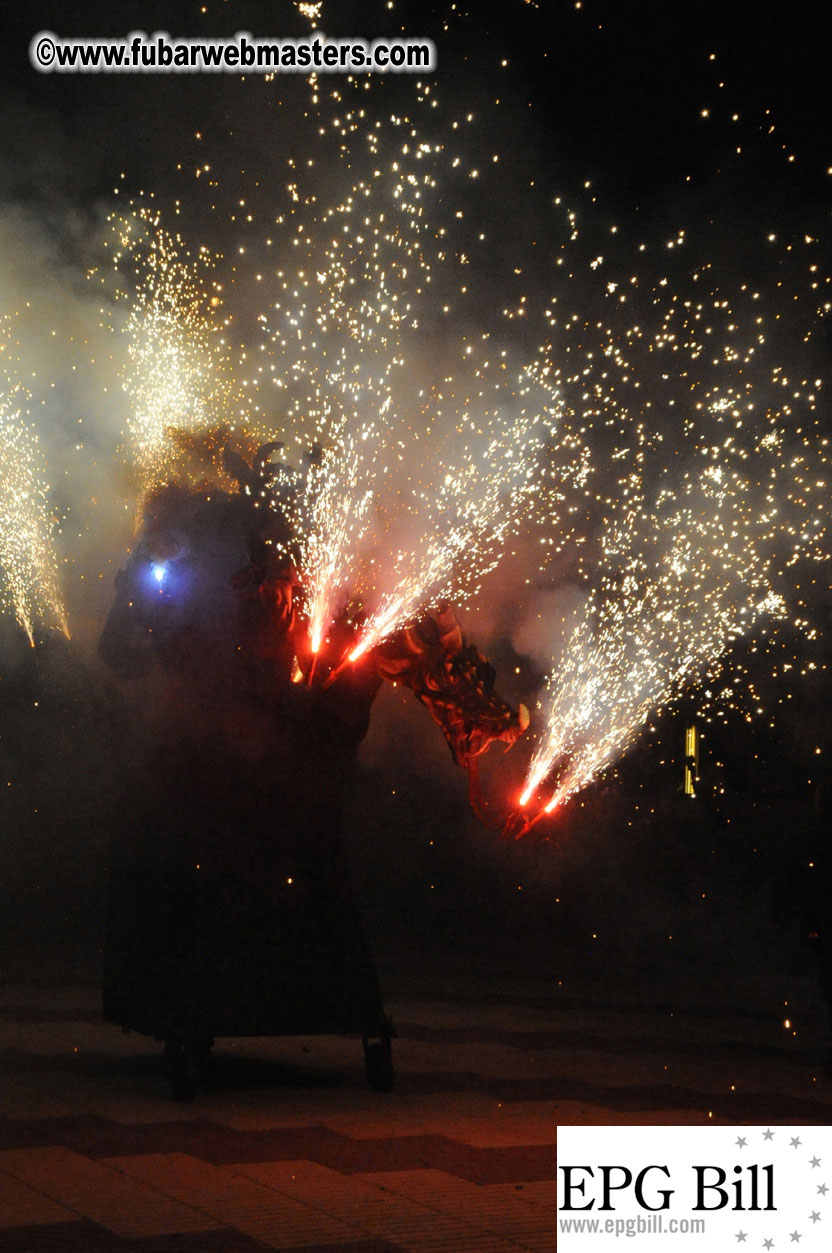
615, 89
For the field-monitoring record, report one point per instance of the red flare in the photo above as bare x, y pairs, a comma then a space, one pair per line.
359, 650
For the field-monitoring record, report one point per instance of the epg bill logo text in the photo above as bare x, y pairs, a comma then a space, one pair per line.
765, 1187
705, 1185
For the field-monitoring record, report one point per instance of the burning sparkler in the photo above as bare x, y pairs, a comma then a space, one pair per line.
27, 555
175, 377
432, 436
690, 560
453, 530
331, 520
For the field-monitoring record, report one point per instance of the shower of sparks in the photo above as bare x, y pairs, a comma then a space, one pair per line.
451, 393
464, 520
331, 519
431, 434
175, 376
391, 551
28, 564
701, 528
689, 579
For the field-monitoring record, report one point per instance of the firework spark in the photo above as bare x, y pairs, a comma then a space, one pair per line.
27, 555
697, 540
629, 403
432, 434
175, 376
332, 520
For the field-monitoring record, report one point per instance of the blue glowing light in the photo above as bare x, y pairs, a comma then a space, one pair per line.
159, 571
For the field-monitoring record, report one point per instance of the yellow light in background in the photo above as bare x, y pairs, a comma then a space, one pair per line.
691, 759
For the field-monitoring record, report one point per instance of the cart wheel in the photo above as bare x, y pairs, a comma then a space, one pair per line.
378, 1064
185, 1061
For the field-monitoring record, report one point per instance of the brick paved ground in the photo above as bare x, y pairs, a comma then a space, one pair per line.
286, 1148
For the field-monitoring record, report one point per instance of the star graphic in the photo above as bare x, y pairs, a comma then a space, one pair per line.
795, 1142
768, 1135
768, 1244
815, 1161
794, 1236
741, 1142
741, 1235
823, 1188
815, 1216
